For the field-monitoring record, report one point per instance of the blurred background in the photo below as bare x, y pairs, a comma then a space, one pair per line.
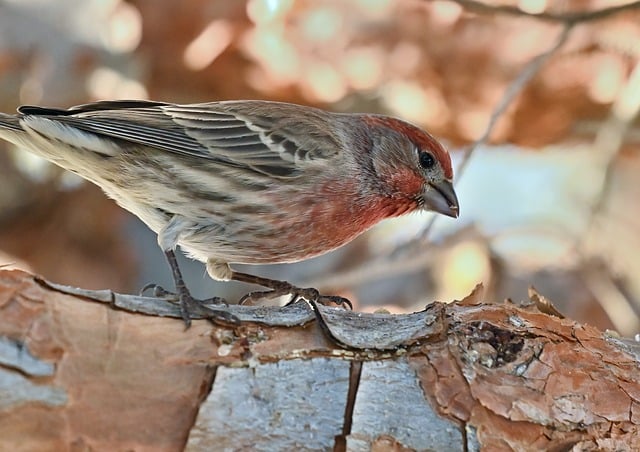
548, 199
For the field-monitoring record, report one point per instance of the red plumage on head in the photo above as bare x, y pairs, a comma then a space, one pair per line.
423, 140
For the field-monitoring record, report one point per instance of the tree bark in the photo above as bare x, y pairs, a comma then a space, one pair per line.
87, 370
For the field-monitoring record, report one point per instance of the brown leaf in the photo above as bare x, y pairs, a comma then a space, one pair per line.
543, 304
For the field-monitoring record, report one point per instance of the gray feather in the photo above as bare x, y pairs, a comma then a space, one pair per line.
240, 134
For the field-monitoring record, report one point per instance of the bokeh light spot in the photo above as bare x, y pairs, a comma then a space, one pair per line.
208, 45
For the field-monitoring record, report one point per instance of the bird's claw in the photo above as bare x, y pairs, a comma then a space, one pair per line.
253, 298
157, 291
337, 300
296, 293
191, 306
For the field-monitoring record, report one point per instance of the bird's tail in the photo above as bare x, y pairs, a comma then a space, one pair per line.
10, 122
11, 130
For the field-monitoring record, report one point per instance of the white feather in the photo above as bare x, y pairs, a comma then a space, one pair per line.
43, 128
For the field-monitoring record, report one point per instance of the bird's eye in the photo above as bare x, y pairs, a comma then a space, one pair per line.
426, 160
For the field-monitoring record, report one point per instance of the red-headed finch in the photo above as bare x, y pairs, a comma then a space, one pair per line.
244, 181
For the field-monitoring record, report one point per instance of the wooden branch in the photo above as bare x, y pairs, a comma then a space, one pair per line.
570, 18
79, 371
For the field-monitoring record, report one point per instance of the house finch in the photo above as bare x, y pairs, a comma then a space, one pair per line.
244, 181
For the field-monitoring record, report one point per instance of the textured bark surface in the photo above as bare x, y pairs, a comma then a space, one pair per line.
81, 372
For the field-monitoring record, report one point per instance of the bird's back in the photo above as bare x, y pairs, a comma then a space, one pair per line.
214, 167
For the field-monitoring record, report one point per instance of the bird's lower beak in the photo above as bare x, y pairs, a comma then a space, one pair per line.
442, 199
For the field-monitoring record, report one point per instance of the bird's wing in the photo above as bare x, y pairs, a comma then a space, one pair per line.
268, 137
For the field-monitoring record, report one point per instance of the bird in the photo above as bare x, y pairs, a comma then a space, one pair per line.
243, 181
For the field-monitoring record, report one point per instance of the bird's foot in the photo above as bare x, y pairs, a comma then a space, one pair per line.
296, 293
157, 291
337, 300
191, 307
160, 292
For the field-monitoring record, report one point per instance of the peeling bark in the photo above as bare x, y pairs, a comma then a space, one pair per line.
84, 370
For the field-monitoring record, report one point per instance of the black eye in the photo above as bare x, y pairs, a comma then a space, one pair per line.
426, 160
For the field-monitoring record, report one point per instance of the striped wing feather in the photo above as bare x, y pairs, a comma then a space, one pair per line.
246, 134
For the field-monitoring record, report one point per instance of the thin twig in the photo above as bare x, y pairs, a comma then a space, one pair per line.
608, 143
379, 266
571, 18
526, 74
615, 303
512, 91
609, 140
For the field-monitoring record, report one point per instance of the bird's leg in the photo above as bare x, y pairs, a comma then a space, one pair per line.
188, 304
279, 288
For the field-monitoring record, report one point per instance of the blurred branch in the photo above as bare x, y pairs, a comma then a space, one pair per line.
412, 256
571, 18
612, 133
611, 298
378, 267
527, 73
608, 143
512, 91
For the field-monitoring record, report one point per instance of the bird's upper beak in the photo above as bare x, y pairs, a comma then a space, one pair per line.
442, 198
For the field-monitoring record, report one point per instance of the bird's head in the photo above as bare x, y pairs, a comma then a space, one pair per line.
412, 164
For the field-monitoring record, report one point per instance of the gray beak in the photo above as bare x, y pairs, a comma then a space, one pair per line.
442, 199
